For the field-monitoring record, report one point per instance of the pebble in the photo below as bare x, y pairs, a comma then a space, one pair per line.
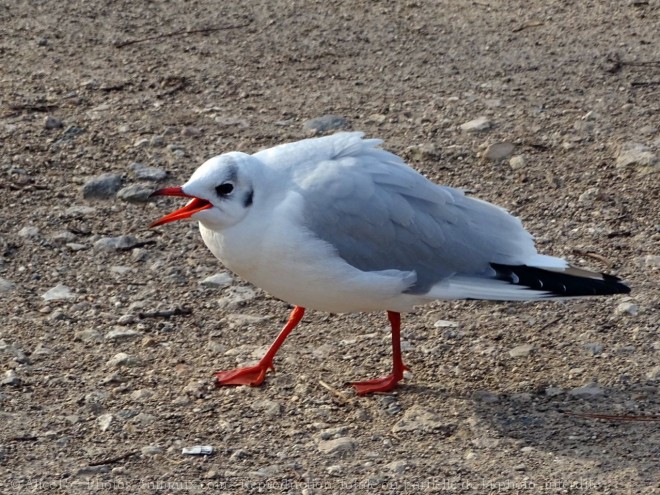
64, 237
639, 155
593, 348
589, 196
89, 335
517, 162
91, 470
553, 391
589, 390
29, 232
191, 131
338, 446
477, 125
418, 419
446, 324
217, 280
142, 394
102, 187
336, 432
521, 350
121, 242
123, 359
627, 308
51, 122
143, 419
147, 173
424, 152
485, 396
79, 211
135, 193
7, 285
157, 141
121, 334
10, 378
141, 143
236, 296
104, 421
324, 123
58, 293
225, 121
499, 151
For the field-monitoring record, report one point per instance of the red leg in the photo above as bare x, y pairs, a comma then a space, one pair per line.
389, 382
255, 375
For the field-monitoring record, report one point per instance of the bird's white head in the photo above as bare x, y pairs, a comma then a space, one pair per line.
221, 192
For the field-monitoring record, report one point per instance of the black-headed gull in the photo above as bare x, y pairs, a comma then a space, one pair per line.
338, 224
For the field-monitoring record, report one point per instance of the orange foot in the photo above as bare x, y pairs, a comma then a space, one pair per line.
250, 375
385, 384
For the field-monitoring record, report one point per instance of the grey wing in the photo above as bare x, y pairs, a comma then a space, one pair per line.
379, 214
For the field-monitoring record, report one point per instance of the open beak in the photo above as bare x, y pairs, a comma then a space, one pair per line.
194, 205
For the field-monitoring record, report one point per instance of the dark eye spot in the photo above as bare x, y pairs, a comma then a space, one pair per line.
224, 189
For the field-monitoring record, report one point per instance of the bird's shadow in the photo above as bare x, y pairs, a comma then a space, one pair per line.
618, 428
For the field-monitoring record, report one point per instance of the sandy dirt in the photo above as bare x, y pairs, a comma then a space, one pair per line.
102, 390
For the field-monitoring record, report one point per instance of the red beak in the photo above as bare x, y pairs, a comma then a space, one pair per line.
193, 206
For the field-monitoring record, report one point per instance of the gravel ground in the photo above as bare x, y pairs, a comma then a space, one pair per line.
109, 339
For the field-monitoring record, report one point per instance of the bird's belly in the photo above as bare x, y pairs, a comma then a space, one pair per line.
313, 277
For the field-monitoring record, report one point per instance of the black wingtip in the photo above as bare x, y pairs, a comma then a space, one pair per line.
560, 284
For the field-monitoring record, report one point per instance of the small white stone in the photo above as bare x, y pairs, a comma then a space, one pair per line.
217, 280
627, 308
58, 293
476, 125
104, 421
517, 162
521, 350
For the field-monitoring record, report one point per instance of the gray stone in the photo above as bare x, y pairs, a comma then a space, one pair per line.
123, 360
499, 151
477, 125
58, 293
29, 232
236, 296
521, 350
638, 155
151, 450
589, 390
338, 446
122, 334
424, 152
89, 335
324, 123
147, 173
135, 193
553, 391
74, 246
10, 378
51, 122
627, 308
593, 348
79, 211
122, 242
102, 187
217, 280
6, 285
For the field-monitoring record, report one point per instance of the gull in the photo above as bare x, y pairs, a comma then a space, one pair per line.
340, 225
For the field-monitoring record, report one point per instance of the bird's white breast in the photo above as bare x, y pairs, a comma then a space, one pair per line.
288, 261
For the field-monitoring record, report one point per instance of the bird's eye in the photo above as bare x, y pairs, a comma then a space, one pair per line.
224, 189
